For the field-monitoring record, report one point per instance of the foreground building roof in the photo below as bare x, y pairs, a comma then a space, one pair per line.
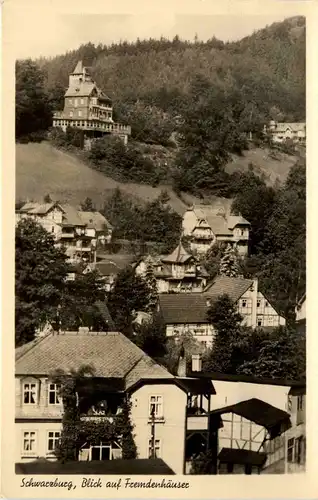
111, 354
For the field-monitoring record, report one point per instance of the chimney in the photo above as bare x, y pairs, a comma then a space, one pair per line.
182, 364
196, 363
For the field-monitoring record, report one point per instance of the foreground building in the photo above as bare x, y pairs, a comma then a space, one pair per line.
263, 423
78, 231
88, 109
205, 225
161, 403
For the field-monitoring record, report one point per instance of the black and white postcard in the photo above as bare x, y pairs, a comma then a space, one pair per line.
158, 158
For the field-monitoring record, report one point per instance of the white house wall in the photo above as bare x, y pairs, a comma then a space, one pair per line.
171, 431
201, 332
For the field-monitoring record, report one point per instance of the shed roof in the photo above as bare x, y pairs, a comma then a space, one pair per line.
240, 456
257, 411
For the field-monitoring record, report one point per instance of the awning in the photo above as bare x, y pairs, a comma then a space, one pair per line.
243, 457
258, 411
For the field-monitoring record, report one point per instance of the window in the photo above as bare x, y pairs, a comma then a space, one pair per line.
300, 403
71, 114
244, 302
259, 321
53, 394
29, 442
101, 452
52, 229
290, 449
71, 101
75, 103
53, 440
29, 394
266, 303
258, 303
79, 112
156, 407
157, 448
82, 101
242, 232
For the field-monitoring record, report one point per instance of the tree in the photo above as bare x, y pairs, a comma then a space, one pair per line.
151, 338
211, 260
78, 305
33, 111
129, 294
227, 322
282, 355
40, 272
87, 205
151, 281
47, 199
228, 263
125, 430
68, 447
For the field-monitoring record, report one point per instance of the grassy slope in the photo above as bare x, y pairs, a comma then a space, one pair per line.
42, 169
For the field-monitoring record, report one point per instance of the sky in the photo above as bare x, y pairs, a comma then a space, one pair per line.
34, 34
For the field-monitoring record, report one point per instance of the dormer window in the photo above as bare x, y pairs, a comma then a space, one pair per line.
30, 393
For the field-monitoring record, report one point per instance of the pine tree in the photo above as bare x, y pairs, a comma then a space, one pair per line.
151, 282
228, 264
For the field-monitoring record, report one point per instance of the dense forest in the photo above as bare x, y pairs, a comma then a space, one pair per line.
200, 100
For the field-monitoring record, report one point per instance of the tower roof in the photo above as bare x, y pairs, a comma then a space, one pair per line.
78, 68
179, 255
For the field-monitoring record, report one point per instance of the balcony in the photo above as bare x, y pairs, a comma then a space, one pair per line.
197, 422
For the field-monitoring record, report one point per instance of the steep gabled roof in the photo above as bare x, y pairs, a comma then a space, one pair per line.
233, 287
257, 411
39, 208
220, 220
183, 308
79, 68
95, 220
178, 256
111, 354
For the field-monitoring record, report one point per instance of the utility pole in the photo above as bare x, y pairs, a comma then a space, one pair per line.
153, 439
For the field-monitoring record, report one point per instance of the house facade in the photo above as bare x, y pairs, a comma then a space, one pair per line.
205, 225
161, 403
185, 314
177, 272
248, 406
78, 231
281, 132
255, 308
88, 109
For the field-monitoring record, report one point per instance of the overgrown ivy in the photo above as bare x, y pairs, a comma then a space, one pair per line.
75, 432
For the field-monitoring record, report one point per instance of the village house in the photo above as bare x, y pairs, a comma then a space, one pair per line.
162, 405
186, 313
88, 109
78, 231
252, 304
108, 267
177, 272
281, 132
205, 225
262, 428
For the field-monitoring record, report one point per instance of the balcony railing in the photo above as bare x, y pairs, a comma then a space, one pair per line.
197, 422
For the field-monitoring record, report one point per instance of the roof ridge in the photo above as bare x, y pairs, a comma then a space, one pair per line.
34, 343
